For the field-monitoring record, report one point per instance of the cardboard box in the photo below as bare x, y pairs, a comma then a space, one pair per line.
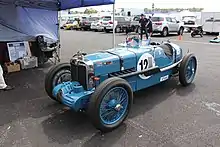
28, 62
12, 67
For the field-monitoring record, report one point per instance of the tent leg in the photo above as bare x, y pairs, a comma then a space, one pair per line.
113, 25
58, 54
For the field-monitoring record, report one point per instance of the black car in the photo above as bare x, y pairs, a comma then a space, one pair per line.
86, 23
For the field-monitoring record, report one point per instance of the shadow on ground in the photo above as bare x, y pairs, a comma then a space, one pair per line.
62, 125
68, 126
28, 85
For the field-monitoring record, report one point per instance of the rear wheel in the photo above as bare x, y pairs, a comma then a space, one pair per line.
110, 104
107, 31
192, 34
165, 32
201, 34
56, 75
117, 29
138, 30
187, 70
181, 30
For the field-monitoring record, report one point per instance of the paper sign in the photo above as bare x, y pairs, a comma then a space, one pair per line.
17, 50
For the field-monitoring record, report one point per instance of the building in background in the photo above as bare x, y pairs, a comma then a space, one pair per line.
131, 11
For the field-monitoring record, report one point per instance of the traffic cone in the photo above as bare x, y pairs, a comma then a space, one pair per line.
180, 37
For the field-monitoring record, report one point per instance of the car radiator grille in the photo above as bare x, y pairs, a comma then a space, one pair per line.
79, 74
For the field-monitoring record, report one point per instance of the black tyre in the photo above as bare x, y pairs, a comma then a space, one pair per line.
165, 32
201, 34
192, 35
56, 75
133, 28
181, 30
137, 29
118, 29
112, 99
187, 70
107, 31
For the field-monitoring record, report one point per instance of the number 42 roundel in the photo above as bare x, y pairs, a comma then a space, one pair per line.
146, 61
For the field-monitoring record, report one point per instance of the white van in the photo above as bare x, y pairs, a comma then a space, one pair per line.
211, 22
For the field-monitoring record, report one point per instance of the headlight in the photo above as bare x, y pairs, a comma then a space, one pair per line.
91, 81
90, 66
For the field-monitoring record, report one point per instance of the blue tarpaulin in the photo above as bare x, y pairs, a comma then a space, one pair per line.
56, 4
67, 4
24, 24
25, 19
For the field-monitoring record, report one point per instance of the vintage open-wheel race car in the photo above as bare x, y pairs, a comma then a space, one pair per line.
102, 83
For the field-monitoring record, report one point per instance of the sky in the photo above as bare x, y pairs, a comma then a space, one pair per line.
208, 5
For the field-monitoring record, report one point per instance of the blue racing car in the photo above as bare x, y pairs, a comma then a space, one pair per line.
102, 83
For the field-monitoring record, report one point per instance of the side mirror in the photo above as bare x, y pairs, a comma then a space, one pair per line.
177, 21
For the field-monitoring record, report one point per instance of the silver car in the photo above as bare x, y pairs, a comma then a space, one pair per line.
164, 24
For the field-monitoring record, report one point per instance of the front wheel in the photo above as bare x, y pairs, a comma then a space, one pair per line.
56, 75
110, 104
187, 70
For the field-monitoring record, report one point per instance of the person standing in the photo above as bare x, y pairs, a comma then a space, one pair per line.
150, 26
3, 85
143, 26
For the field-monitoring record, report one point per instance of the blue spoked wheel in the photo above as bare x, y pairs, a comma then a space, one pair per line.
114, 105
187, 70
110, 104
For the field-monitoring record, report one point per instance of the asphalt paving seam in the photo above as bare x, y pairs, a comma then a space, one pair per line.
200, 131
150, 132
4, 135
25, 134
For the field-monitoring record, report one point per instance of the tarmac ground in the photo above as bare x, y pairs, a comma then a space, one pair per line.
165, 115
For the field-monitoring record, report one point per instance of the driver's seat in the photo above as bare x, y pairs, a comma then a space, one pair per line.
167, 48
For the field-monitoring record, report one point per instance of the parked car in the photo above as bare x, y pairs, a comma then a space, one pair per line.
189, 22
164, 24
96, 25
86, 23
121, 23
135, 23
72, 25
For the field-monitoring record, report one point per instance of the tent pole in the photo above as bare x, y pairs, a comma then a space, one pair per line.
113, 25
59, 38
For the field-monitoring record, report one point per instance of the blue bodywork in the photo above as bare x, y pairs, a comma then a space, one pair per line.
108, 62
